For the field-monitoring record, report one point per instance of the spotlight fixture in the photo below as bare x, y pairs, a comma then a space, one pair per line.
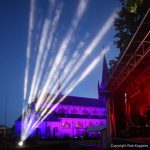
20, 143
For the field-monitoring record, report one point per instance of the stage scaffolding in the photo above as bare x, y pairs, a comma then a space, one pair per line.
126, 80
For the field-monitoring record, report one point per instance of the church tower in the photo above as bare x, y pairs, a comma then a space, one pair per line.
105, 75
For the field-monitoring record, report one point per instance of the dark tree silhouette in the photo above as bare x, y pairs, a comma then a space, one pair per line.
126, 24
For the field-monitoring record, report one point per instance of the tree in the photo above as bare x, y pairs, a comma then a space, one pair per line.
126, 24
132, 5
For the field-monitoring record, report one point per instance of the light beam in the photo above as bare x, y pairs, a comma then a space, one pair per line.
87, 52
48, 46
28, 53
63, 47
85, 73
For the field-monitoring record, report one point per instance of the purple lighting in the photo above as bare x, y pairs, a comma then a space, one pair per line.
70, 118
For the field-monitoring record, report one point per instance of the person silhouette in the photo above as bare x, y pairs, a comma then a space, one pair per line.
141, 121
148, 114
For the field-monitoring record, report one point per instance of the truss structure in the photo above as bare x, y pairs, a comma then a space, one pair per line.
134, 60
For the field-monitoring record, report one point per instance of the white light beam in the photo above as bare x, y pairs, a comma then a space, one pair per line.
71, 88
87, 52
63, 47
48, 46
28, 53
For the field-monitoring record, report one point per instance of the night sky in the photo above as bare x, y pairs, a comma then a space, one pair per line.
14, 30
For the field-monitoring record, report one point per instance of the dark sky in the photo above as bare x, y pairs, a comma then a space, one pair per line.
14, 30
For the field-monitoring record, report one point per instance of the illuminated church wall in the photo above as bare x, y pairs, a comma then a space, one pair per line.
72, 121
72, 116
75, 126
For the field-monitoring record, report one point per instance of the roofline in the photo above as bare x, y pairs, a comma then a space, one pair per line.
128, 46
82, 97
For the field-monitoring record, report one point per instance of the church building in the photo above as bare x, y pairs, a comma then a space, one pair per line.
73, 116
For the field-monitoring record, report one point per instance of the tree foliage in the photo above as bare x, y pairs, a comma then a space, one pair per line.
132, 5
127, 23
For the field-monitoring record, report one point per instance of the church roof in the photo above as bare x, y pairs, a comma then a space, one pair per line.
82, 101
50, 117
76, 101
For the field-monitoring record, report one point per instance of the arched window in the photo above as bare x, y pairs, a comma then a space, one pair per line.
95, 112
62, 110
79, 125
91, 124
85, 112
74, 111
66, 124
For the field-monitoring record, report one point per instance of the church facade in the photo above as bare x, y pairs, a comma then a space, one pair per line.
72, 117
